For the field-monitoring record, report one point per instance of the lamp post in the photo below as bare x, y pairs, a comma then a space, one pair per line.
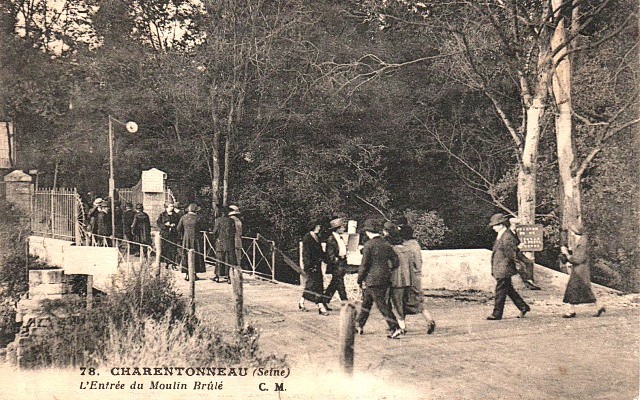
131, 127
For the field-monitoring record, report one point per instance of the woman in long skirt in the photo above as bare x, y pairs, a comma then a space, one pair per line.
401, 276
579, 286
312, 257
414, 301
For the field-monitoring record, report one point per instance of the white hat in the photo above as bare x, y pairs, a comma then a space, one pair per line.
235, 210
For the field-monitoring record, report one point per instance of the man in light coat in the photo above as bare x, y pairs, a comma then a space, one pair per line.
503, 267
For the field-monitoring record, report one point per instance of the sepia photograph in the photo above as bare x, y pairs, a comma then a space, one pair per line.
319, 199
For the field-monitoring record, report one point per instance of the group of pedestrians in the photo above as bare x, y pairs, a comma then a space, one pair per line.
132, 225
389, 274
507, 260
183, 232
390, 271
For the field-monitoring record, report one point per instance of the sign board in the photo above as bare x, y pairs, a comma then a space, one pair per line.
531, 237
153, 181
89, 260
352, 226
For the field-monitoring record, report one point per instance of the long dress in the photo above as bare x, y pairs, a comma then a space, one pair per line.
168, 226
190, 227
579, 286
414, 302
312, 256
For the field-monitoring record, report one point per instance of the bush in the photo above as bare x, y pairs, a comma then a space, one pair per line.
428, 227
144, 323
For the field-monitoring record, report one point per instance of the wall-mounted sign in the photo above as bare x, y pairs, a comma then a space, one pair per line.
531, 237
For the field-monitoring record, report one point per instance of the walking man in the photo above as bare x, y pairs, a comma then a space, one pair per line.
336, 262
503, 267
374, 278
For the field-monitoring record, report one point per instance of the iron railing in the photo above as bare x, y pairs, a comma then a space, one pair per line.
57, 213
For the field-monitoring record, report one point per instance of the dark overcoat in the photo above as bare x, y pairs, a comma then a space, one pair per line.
335, 263
504, 256
224, 232
141, 228
190, 227
378, 260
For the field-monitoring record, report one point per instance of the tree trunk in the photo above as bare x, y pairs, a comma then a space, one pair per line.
528, 167
561, 84
225, 180
215, 167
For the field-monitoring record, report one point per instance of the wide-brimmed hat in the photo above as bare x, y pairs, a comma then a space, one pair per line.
104, 203
97, 201
371, 225
336, 223
193, 207
497, 219
234, 210
139, 207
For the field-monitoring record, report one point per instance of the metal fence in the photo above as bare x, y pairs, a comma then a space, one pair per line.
57, 213
258, 255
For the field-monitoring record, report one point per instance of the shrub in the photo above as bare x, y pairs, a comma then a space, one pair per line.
144, 323
428, 227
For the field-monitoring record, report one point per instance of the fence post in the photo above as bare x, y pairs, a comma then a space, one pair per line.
191, 262
236, 280
142, 251
347, 336
158, 245
89, 292
273, 261
253, 258
76, 217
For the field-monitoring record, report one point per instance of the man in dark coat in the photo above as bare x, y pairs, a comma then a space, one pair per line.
336, 262
167, 223
127, 220
374, 278
224, 234
503, 267
103, 223
190, 227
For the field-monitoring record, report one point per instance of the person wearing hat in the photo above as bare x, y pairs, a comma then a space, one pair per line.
336, 253
312, 257
167, 223
127, 220
234, 214
525, 266
224, 234
503, 266
413, 302
103, 223
91, 217
578, 289
141, 227
374, 278
189, 228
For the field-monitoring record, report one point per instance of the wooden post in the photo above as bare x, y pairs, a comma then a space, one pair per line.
76, 218
273, 261
236, 281
191, 262
303, 280
347, 337
253, 258
89, 292
141, 252
158, 245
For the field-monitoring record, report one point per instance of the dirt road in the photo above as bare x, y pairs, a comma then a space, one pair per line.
540, 357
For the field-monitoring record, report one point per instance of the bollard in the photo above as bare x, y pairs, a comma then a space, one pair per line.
89, 292
346, 337
236, 281
191, 262
158, 245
